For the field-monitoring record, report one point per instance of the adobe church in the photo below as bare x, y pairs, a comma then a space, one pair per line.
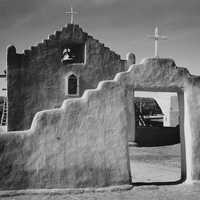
88, 132
62, 66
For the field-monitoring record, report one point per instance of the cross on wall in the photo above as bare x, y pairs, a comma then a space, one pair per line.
157, 37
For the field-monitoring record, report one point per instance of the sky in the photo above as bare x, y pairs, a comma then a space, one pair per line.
122, 25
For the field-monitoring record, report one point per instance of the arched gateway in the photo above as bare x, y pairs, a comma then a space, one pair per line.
85, 142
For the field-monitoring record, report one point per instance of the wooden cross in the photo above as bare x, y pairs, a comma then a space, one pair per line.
157, 37
72, 13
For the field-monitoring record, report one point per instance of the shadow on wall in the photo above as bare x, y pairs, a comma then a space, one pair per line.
157, 136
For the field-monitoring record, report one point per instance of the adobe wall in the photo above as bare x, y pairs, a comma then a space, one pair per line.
157, 136
82, 144
36, 78
192, 128
85, 142
163, 75
171, 117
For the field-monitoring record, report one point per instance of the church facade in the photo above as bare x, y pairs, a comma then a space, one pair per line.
63, 66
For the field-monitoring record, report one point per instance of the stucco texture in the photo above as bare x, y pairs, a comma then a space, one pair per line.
36, 78
85, 142
82, 144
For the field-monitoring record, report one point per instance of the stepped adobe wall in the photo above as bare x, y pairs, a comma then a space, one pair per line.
36, 78
85, 142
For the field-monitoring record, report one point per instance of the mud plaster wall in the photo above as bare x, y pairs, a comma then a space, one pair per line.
36, 78
163, 75
84, 143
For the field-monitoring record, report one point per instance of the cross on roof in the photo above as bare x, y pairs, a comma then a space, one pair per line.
157, 37
71, 13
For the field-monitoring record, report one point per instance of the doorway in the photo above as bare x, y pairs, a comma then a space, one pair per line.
157, 155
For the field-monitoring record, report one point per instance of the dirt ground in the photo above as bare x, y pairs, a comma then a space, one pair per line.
154, 169
155, 164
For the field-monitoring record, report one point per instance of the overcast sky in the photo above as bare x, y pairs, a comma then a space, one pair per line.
123, 25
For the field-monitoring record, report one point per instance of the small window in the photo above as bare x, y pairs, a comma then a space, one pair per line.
72, 85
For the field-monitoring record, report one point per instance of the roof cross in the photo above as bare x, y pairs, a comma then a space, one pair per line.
72, 13
157, 37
